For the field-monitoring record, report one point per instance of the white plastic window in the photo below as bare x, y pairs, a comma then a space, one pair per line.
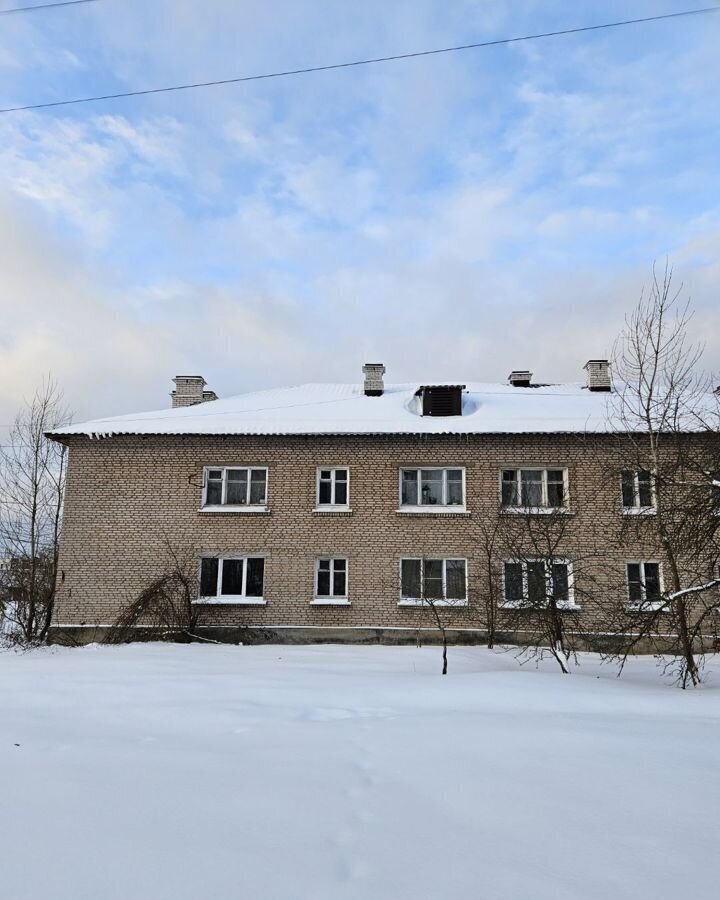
533, 488
332, 487
432, 487
331, 578
235, 486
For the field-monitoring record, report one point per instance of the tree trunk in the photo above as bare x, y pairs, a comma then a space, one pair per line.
491, 606
557, 638
690, 668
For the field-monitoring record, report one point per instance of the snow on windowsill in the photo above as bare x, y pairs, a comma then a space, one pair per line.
329, 510
330, 601
406, 601
230, 600
535, 510
229, 510
639, 511
653, 606
521, 604
433, 510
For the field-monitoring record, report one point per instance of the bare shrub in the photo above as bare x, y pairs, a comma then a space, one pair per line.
545, 586
165, 608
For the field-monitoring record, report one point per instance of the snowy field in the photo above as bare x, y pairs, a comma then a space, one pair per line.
157, 772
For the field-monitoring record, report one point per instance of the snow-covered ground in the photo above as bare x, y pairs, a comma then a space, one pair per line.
149, 772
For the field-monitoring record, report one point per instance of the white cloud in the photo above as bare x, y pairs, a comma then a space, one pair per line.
460, 215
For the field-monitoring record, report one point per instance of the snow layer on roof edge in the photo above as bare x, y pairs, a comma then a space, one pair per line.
337, 409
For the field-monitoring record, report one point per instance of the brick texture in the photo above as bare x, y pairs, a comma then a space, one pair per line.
127, 496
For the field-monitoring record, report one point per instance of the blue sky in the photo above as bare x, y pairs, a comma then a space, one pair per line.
454, 216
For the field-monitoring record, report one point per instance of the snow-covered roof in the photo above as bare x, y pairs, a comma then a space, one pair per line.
344, 409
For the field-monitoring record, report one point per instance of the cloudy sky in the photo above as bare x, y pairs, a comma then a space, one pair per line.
454, 216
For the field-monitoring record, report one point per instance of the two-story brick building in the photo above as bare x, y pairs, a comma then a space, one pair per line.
332, 511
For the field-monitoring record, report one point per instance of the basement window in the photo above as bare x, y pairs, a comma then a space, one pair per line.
232, 579
230, 487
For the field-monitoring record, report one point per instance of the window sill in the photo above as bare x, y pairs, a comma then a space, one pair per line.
535, 511
233, 510
563, 607
639, 511
330, 601
332, 511
230, 601
450, 603
647, 607
432, 511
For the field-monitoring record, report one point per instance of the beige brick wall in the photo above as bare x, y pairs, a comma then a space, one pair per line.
127, 495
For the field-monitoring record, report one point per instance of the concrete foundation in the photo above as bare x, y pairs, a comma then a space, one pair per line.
70, 635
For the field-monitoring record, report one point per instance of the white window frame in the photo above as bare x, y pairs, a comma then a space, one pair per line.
331, 599
715, 488
233, 507
544, 509
504, 603
643, 604
219, 599
429, 507
419, 601
637, 509
332, 506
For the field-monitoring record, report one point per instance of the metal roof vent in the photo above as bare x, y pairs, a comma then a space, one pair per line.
441, 399
520, 378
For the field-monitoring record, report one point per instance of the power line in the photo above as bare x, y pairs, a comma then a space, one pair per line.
358, 62
22, 9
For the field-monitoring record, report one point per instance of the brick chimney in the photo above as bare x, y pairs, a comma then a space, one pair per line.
598, 375
520, 378
190, 390
374, 386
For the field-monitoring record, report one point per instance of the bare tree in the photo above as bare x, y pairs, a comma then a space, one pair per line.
489, 534
165, 607
667, 448
546, 583
32, 481
440, 587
